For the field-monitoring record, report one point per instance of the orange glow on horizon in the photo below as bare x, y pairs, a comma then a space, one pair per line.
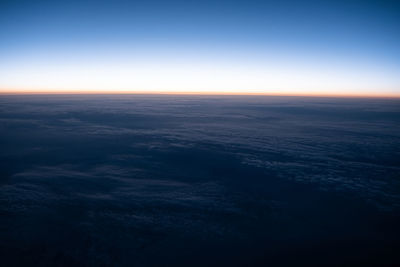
189, 92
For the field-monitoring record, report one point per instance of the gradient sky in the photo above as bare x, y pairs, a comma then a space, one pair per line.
288, 47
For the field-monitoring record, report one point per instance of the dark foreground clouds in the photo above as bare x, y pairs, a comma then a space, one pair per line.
179, 180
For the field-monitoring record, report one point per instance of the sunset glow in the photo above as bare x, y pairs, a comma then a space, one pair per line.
203, 77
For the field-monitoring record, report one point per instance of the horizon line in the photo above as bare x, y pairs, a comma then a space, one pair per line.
215, 93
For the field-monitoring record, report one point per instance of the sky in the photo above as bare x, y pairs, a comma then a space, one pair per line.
268, 47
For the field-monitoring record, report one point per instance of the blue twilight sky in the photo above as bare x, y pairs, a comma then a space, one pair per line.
323, 47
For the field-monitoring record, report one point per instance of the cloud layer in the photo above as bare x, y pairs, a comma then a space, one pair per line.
145, 180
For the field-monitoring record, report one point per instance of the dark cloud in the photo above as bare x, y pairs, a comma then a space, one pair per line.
152, 180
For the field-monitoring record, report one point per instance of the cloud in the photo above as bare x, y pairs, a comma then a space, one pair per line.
139, 174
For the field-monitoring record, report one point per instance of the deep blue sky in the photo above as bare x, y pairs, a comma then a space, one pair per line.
325, 39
